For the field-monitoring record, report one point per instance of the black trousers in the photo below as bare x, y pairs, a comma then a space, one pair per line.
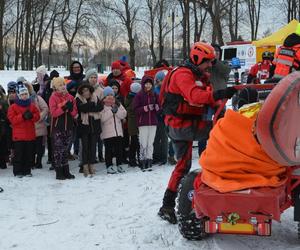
49, 144
23, 159
39, 150
89, 144
113, 147
134, 147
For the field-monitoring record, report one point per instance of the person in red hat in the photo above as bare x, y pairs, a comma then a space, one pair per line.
117, 74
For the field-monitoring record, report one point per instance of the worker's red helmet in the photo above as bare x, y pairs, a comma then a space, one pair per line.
201, 51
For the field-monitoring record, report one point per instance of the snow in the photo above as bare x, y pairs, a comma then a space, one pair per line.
106, 212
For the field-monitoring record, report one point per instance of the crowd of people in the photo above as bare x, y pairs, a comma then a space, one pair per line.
95, 119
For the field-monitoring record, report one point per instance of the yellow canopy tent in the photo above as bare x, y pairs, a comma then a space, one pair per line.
269, 43
277, 37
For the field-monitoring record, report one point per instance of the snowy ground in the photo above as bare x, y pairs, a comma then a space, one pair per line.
105, 212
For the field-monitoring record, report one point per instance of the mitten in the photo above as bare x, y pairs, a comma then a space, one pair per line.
27, 115
156, 107
146, 108
151, 107
114, 109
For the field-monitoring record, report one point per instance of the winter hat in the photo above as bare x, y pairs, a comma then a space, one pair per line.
53, 74
160, 75
41, 70
91, 72
247, 96
135, 87
147, 79
57, 81
22, 90
21, 79
123, 59
115, 65
108, 91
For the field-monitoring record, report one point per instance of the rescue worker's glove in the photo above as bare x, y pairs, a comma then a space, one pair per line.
27, 115
224, 93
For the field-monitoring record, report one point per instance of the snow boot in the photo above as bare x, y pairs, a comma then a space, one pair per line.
172, 160
120, 169
111, 170
143, 165
149, 165
66, 171
167, 211
86, 170
168, 214
92, 170
60, 174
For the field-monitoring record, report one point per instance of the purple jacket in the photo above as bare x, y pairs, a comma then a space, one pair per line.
146, 107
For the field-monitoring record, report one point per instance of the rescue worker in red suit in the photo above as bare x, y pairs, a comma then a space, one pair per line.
186, 96
261, 70
287, 57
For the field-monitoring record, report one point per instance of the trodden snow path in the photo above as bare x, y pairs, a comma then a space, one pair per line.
107, 212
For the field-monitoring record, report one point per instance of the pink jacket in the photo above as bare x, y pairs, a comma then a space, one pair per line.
62, 120
111, 124
40, 126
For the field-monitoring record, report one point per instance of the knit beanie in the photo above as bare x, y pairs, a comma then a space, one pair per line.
135, 87
108, 91
22, 90
42, 70
57, 81
115, 65
89, 73
160, 75
21, 79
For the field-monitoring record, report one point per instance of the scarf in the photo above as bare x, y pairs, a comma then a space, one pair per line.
23, 103
85, 116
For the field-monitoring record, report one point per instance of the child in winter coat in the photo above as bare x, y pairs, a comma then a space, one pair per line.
132, 124
63, 110
91, 78
89, 125
146, 107
40, 126
22, 115
112, 133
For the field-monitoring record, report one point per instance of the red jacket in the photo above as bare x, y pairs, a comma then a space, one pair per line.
62, 120
194, 91
23, 130
124, 82
261, 70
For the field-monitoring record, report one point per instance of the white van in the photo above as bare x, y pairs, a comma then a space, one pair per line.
245, 51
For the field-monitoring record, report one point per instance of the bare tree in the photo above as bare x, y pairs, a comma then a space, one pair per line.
254, 8
126, 11
200, 16
7, 23
73, 19
152, 6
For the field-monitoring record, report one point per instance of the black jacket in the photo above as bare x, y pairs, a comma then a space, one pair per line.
94, 126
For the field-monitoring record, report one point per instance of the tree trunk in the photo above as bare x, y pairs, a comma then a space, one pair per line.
2, 7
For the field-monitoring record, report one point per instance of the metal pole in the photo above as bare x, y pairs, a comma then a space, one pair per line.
173, 22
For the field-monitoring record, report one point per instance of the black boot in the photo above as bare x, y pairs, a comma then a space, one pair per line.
167, 211
3, 164
60, 174
149, 165
67, 173
143, 165
80, 167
